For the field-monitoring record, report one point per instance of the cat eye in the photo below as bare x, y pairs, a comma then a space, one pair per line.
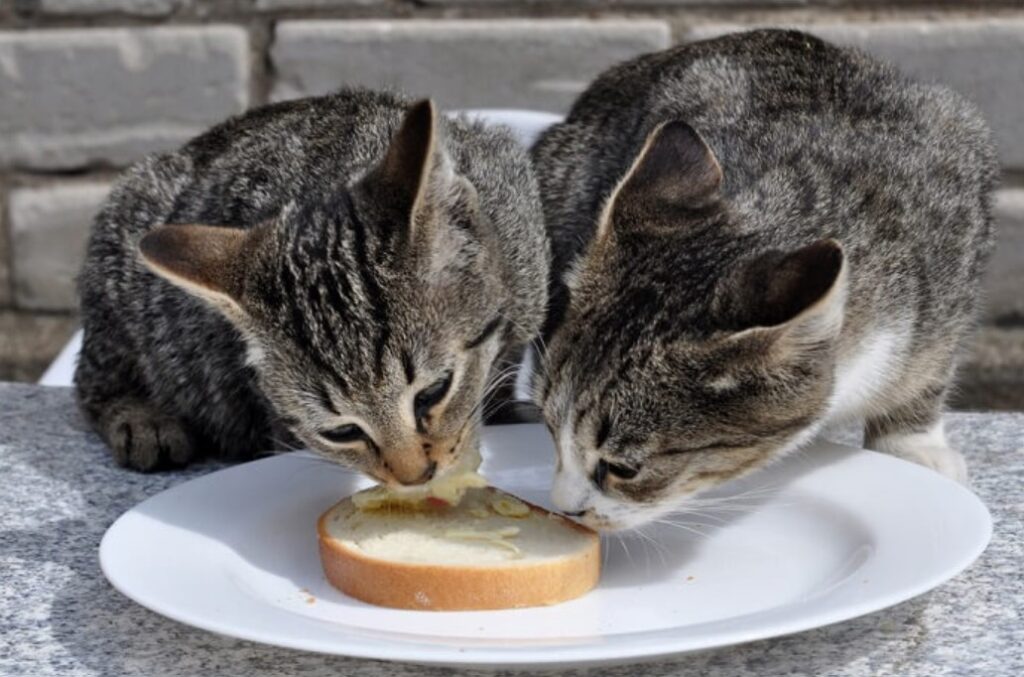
603, 469
343, 434
710, 446
429, 397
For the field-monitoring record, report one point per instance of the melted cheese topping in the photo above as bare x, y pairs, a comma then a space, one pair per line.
509, 506
477, 532
449, 487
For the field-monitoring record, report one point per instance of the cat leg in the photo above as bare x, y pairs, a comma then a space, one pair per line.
138, 434
914, 432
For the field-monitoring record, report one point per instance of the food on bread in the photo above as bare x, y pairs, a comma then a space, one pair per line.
488, 551
446, 489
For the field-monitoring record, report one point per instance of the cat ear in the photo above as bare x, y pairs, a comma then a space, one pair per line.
674, 171
206, 261
796, 298
415, 169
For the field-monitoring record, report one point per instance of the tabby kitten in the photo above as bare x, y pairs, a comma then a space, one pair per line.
753, 236
345, 270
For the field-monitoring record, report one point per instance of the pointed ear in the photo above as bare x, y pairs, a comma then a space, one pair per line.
414, 165
205, 261
799, 297
674, 171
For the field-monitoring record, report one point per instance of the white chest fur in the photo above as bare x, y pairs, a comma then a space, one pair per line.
861, 377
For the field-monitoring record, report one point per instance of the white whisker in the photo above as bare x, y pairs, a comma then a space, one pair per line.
684, 527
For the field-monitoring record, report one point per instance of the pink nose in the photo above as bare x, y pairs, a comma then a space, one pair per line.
410, 466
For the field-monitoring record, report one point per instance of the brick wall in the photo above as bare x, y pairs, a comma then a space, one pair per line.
88, 86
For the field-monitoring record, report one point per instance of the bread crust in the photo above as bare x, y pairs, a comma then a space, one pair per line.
442, 587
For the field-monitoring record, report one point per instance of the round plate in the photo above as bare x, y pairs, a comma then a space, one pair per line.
829, 534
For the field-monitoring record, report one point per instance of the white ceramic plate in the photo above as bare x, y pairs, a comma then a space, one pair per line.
842, 532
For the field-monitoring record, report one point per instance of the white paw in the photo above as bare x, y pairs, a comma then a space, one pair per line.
928, 449
945, 460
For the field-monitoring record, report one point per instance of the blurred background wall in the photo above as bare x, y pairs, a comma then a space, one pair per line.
88, 86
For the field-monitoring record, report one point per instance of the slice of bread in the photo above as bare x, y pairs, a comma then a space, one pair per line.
491, 551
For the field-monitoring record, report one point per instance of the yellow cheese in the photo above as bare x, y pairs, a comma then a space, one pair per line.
449, 487
508, 506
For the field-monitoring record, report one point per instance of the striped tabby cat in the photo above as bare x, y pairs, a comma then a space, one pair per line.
344, 270
753, 237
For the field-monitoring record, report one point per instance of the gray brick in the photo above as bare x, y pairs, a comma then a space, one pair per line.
992, 375
981, 58
72, 97
516, 63
30, 341
271, 5
49, 228
133, 7
1005, 278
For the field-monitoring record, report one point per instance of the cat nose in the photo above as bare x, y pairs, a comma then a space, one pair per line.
569, 493
410, 466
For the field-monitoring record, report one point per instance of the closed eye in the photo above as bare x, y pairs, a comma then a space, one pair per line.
431, 396
344, 434
603, 469
720, 444
623, 472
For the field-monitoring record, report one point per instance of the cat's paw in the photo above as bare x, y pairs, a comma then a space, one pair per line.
144, 440
926, 449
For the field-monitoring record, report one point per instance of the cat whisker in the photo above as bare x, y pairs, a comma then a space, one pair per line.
625, 549
683, 527
491, 386
658, 547
702, 514
283, 446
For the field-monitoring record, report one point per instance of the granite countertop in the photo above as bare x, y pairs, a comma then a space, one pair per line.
59, 491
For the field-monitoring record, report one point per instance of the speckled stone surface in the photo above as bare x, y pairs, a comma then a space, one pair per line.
59, 491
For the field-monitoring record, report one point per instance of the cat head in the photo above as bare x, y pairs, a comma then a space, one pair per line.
688, 353
371, 318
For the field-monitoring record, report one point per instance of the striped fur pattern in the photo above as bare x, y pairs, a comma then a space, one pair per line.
343, 271
753, 237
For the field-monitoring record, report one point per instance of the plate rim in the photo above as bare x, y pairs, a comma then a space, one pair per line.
553, 656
